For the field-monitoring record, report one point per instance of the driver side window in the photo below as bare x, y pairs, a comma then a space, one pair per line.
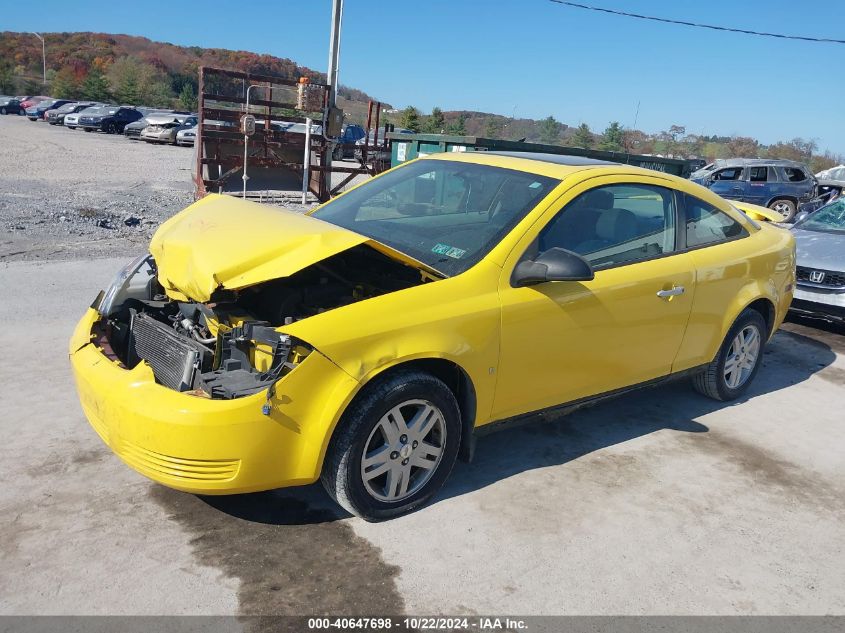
614, 225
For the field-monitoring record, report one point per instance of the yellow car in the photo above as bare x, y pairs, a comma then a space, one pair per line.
363, 344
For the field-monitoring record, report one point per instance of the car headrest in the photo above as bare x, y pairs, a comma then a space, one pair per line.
616, 225
599, 199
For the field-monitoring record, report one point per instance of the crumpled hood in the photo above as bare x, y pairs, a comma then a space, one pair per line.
226, 242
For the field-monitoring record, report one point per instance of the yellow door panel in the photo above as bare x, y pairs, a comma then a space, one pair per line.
562, 341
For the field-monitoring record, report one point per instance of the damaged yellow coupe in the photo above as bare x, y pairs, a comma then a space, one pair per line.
365, 343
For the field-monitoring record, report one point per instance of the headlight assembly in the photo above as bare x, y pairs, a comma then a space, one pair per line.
117, 292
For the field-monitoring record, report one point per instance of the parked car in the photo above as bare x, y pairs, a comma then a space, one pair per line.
109, 119
187, 136
10, 105
133, 130
28, 102
57, 116
820, 244
163, 128
364, 344
781, 185
350, 134
39, 110
72, 120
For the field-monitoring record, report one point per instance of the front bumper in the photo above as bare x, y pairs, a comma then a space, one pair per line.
156, 137
825, 304
209, 446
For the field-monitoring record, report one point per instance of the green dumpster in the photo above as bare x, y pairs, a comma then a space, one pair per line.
405, 147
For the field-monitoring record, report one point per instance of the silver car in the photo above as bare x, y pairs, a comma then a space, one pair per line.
820, 251
186, 136
163, 128
72, 120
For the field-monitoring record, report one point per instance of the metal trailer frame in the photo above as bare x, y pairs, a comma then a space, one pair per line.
275, 154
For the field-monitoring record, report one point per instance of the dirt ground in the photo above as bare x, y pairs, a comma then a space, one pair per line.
661, 502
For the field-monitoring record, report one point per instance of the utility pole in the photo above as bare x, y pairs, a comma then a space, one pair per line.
334, 50
331, 76
43, 56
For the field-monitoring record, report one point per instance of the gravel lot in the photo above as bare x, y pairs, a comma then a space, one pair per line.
661, 502
66, 194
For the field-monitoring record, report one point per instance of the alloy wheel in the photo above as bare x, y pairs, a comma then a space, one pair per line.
742, 357
783, 209
403, 450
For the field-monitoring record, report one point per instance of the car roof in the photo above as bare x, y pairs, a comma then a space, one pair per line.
557, 159
552, 165
745, 162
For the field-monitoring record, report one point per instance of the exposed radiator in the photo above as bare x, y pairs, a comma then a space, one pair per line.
174, 359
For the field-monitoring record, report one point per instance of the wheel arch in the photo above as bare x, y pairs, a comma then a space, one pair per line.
790, 198
453, 375
766, 308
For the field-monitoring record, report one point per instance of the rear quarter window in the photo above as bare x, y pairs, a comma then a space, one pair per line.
793, 174
705, 224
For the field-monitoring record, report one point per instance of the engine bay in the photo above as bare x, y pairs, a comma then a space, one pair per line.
230, 347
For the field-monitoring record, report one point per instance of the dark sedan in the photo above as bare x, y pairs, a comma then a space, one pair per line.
56, 116
109, 119
10, 105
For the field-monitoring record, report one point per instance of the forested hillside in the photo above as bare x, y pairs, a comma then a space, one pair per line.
130, 69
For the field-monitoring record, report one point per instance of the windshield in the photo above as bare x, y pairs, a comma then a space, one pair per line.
828, 219
446, 214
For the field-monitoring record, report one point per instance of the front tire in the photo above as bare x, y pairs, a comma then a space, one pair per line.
738, 360
2, 110
110, 128
785, 208
394, 447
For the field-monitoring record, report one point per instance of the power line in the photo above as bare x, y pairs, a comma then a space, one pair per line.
697, 25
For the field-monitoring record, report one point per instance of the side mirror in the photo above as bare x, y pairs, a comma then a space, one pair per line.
556, 264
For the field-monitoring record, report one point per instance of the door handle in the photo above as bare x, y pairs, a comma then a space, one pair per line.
677, 290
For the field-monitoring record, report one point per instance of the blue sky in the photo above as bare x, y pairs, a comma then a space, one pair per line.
532, 58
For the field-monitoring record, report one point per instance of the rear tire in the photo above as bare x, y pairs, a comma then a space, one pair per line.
786, 209
738, 361
408, 427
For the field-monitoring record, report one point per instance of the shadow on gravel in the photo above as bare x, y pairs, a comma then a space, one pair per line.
553, 439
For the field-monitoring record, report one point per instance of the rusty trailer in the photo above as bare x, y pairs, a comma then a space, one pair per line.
276, 111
